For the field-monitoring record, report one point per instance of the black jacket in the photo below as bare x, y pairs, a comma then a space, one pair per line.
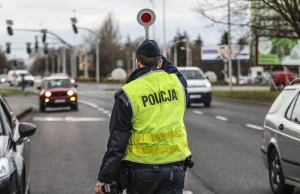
120, 124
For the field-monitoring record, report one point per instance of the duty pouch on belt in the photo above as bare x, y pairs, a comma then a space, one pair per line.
122, 178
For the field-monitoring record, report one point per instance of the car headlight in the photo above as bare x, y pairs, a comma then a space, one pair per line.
32, 78
208, 84
70, 92
4, 168
3, 80
72, 81
48, 94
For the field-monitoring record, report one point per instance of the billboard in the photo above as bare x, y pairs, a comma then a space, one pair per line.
91, 65
278, 51
221, 52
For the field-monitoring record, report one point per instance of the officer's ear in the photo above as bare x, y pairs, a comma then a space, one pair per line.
160, 64
138, 64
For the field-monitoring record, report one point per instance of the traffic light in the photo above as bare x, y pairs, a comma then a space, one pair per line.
46, 50
36, 46
8, 48
15, 63
28, 48
44, 37
10, 30
75, 28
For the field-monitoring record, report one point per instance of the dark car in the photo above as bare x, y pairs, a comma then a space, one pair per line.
14, 152
57, 92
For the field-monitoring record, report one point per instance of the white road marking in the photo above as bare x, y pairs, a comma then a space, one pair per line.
221, 118
105, 111
198, 112
48, 119
254, 127
187, 192
100, 109
69, 119
88, 103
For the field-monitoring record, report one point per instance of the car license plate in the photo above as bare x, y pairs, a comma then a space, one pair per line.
60, 101
195, 96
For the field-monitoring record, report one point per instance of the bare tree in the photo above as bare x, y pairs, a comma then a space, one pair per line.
110, 45
263, 17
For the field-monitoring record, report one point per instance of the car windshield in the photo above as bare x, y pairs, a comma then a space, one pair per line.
57, 83
192, 74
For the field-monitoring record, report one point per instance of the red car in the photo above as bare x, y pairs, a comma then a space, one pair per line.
282, 79
58, 92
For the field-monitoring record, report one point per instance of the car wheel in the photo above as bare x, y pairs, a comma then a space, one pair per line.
207, 104
74, 106
276, 176
42, 108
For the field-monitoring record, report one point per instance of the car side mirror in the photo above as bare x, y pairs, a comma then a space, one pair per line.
75, 85
26, 129
207, 77
39, 88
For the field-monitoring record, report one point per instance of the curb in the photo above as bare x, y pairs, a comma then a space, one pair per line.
24, 113
243, 101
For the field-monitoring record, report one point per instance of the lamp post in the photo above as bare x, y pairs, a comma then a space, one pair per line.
153, 4
97, 46
164, 27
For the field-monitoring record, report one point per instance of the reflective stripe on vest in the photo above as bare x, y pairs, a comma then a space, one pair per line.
158, 105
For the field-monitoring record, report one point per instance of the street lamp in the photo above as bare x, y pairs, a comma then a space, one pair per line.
153, 4
164, 27
74, 21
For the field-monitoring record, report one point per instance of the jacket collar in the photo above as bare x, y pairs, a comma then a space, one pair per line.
140, 72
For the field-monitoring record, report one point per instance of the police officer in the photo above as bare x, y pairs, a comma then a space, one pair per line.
147, 128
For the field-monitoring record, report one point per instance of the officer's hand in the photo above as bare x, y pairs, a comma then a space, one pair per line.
98, 188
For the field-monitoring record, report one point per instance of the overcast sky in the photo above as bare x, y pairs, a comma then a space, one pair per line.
55, 16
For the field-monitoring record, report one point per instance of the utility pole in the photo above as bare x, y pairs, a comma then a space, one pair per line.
133, 61
153, 4
187, 53
64, 65
164, 27
47, 65
229, 47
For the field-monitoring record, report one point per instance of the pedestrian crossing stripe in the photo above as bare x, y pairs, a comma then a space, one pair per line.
71, 119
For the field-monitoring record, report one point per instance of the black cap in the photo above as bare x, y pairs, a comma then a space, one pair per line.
149, 48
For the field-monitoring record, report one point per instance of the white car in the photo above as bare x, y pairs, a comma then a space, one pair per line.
199, 87
14, 77
280, 140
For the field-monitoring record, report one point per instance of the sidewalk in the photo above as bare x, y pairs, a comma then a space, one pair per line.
20, 105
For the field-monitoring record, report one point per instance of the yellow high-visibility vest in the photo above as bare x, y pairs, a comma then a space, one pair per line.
158, 105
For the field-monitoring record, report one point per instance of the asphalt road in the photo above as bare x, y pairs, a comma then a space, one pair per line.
225, 140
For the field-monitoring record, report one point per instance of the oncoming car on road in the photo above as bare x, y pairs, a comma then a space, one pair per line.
14, 152
57, 92
281, 140
199, 88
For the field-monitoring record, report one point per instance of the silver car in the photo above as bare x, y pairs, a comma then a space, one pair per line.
281, 141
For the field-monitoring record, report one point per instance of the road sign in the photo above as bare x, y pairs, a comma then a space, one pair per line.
146, 17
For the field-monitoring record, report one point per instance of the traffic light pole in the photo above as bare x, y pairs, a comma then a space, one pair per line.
97, 52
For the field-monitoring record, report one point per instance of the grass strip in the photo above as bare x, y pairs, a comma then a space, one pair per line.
15, 92
255, 96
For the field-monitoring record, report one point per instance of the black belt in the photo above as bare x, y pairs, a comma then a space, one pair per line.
134, 165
